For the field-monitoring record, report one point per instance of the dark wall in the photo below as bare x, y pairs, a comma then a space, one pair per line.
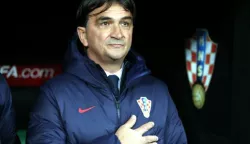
161, 40
23, 99
241, 74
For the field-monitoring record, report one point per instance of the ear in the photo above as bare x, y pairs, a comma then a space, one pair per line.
81, 31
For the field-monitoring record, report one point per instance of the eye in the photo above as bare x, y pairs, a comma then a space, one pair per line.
105, 23
125, 24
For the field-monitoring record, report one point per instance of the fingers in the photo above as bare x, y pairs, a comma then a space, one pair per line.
144, 128
151, 139
131, 122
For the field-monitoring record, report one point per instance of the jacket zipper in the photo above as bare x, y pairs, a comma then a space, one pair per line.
117, 104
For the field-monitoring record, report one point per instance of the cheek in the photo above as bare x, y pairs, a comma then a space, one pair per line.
96, 38
129, 34
101, 37
129, 38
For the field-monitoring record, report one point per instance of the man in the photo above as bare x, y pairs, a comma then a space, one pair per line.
106, 94
7, 114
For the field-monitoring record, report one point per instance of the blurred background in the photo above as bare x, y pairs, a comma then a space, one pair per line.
36, 34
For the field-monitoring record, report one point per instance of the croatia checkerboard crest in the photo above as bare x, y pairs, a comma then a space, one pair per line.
200, 53
145, 105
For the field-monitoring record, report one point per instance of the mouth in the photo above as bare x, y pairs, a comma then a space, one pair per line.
116, 45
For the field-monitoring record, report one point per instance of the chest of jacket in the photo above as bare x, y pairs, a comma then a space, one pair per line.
89, 113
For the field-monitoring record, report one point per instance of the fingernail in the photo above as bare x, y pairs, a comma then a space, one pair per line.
152, 123
133, 116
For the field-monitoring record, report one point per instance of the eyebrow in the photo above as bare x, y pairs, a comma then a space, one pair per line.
104, 18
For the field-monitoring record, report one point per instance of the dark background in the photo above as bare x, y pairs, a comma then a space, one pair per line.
37, 32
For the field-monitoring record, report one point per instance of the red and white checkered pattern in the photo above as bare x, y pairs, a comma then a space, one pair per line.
191, 63
145, 106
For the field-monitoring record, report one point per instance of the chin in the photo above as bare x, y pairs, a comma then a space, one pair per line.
116, 57
116, 54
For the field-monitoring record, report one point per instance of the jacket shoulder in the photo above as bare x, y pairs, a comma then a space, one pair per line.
154, 82
3, 81
4, 90
60, 81
59, 84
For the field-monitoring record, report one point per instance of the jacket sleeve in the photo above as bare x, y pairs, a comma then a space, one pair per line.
174, 131
45, 124
7, 114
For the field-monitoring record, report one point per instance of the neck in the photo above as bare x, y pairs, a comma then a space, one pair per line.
110, 66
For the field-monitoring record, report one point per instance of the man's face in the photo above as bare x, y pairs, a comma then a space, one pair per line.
108, 35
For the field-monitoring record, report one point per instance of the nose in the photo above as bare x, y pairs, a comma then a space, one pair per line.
117, 32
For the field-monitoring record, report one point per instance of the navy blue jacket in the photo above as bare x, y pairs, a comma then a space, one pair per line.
7, 114
79, 105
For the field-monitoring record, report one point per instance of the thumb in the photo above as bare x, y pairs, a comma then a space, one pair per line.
131, 122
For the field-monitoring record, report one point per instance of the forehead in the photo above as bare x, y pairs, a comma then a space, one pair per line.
115, 11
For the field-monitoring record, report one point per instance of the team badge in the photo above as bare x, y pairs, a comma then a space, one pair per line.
200, 60
145, 106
